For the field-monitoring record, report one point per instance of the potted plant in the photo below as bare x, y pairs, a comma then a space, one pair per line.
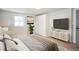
31, 26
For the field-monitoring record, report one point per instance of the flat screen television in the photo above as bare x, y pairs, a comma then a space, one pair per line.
62, 23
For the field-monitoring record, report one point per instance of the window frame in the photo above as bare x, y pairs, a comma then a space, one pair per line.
19, 21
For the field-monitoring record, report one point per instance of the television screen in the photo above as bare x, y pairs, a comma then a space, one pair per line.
61, 23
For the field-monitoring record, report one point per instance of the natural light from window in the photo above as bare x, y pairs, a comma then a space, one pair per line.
19, 21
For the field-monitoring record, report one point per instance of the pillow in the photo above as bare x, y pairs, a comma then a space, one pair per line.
7, 36
0, 29
1, 35
12, 34
1, 46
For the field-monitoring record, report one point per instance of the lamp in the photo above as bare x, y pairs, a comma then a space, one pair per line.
38, 8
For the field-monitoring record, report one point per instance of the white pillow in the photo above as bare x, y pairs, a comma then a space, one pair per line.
1, 35
0, 29
7, 36
1, 46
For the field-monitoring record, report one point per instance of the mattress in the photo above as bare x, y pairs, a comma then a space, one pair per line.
39, 44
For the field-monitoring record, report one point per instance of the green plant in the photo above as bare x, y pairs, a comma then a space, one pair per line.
31, 28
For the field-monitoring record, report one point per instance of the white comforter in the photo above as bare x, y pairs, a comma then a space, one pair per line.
11, 46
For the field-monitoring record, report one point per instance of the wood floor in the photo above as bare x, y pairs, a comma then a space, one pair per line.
64, 46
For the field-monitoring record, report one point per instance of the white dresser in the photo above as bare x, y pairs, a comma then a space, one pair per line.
62, 35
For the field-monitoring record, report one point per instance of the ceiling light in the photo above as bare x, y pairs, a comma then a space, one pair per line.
38, 8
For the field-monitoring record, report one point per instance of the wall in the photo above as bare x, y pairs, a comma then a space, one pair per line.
63, 13
7, 19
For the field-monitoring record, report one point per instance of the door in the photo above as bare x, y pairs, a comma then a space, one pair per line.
77, 26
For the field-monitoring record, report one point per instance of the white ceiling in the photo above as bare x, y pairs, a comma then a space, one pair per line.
31, 10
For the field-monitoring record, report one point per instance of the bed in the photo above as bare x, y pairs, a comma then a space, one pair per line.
27, 43
38, 44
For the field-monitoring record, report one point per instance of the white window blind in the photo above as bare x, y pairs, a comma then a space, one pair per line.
19, 21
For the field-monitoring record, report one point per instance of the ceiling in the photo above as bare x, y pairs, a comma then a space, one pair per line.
32, 11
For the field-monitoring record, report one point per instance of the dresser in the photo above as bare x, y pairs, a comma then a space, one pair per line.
62, 35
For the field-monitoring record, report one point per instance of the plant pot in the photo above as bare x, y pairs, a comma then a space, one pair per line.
31, 32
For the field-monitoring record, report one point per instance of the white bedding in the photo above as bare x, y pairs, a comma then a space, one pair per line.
1, 46
11, 46
21, 46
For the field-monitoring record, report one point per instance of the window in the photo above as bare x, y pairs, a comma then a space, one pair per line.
19, 21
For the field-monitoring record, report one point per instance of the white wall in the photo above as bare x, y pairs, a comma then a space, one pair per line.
63, 13
7, 19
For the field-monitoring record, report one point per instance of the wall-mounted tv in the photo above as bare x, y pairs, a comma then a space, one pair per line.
62, 23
